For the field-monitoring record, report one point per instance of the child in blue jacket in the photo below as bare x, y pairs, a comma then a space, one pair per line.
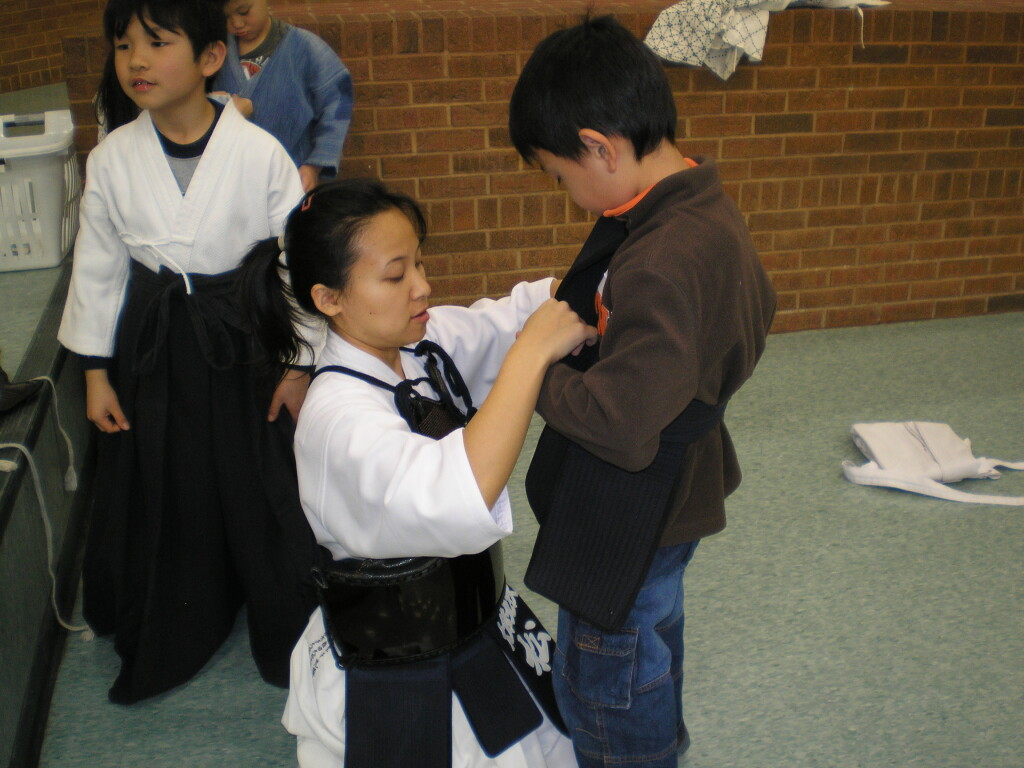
296, 86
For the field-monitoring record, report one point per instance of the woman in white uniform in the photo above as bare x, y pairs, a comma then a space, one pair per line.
443, 664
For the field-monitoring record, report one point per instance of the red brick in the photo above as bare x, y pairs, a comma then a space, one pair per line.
720, 125
786, 123
408, 68
757, 101
942, 249
936, 289
752, 147
827, 297
842, 122
998, 248
777, 220
974, 286
788, 78
933, 97
899, 162
852, 316
805, 320
936, 54
411, 117
815, 101
895, 313
479, 114
383, 94
970, 228
888, 253
983, 138
803, 238
880, 294
963, 268
451, 140
839, 164
958, 118
872, 142
446, 91
813, 145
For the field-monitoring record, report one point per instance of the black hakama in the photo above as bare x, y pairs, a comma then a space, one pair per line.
196, 510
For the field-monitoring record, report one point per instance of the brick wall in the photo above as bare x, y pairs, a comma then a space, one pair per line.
881, 183
31, 32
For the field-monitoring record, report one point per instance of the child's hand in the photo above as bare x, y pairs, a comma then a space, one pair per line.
102, 407
291, 393
554, 331
310, 176
243, 105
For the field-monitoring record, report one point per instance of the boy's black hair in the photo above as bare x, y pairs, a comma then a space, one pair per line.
595, 75
201, 21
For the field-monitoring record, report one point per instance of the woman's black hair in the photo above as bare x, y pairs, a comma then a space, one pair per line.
595, 75
320, 246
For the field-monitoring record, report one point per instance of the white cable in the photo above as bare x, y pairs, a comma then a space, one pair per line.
70, 476
9, 466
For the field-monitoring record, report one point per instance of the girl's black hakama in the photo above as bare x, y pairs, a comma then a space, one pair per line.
196, 510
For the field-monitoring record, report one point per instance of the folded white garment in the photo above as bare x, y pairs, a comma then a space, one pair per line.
718, 33
919, 456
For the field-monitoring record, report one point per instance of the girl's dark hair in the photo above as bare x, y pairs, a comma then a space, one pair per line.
201, 21
113, 107
320, 239
595, 75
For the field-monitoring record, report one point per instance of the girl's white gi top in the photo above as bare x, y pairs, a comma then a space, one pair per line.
132, 208
371, 487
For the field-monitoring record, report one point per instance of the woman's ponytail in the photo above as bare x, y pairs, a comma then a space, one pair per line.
268, 306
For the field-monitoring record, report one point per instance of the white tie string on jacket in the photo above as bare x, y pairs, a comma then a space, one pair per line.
920, 456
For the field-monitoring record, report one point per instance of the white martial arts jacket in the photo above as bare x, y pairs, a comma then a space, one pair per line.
370, 487
242, 190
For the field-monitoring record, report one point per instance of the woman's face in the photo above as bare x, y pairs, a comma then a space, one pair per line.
384, 305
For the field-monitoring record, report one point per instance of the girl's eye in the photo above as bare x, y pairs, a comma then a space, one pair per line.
121, 47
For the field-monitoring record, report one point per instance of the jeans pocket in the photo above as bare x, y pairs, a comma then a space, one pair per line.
600, 667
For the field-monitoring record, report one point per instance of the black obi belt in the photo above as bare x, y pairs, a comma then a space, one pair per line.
410, 632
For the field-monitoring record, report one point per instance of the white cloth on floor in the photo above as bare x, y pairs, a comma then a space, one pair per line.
920, 456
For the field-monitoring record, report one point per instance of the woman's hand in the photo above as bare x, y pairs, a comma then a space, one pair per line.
554, 330
102, 407
290, 392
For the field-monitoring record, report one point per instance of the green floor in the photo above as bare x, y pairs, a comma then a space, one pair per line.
830, 625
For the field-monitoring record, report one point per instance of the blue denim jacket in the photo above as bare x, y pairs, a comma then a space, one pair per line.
303, 96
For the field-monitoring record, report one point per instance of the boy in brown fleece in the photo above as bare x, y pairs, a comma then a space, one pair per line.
634, 465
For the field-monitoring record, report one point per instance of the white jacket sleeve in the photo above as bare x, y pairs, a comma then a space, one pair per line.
376, 489
478, 337
99, 277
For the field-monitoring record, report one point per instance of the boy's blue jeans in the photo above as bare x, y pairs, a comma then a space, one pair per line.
620, 693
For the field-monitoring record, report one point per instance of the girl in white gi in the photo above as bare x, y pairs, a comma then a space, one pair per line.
196, 510
390, 467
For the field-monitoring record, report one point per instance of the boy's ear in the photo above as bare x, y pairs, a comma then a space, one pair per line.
600, 146
327, 300
212, 59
